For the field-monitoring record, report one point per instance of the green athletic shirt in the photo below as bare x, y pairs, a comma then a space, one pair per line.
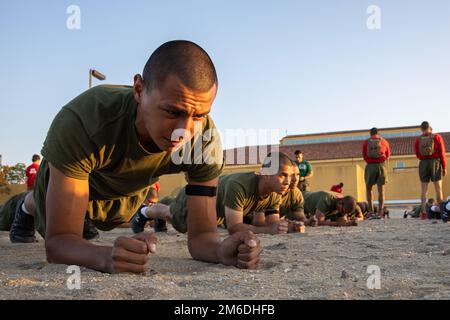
291, 202
305, 168
94, 138
324, 201
239, 191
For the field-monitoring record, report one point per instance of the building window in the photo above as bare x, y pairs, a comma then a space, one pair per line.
400, 164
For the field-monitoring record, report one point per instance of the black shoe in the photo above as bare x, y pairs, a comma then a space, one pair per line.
159, 225
89, 230
139, 221
444, 217
444, 212
405, 214
22, 228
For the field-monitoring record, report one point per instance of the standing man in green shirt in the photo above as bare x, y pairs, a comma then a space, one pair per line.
306, 171
106, 146
240, 197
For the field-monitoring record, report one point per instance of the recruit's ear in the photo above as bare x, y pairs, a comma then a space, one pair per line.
138, 88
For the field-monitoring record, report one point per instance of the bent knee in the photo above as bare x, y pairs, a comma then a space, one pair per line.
29, 203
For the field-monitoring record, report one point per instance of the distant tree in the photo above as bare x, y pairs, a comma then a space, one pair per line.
11, 175
16, 174
4, 188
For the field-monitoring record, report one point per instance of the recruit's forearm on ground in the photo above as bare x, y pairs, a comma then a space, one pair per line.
203, 239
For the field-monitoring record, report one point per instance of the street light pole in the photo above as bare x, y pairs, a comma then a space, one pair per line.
96, 74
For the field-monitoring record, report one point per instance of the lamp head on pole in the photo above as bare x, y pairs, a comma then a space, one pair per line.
97, 74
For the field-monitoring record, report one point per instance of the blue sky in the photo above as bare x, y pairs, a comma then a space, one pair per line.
295, 66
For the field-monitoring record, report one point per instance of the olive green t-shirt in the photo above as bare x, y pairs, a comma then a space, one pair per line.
239, 191
291, 202
94, 138
324, 201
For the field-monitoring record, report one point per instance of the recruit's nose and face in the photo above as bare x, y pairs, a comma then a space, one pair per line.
281, 181
295, 177
171, 113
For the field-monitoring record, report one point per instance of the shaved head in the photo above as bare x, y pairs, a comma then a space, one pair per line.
183, 59
274, 161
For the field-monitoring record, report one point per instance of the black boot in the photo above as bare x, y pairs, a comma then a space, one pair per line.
22, 228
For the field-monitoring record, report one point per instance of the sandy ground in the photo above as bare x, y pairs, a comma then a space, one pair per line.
324, 263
